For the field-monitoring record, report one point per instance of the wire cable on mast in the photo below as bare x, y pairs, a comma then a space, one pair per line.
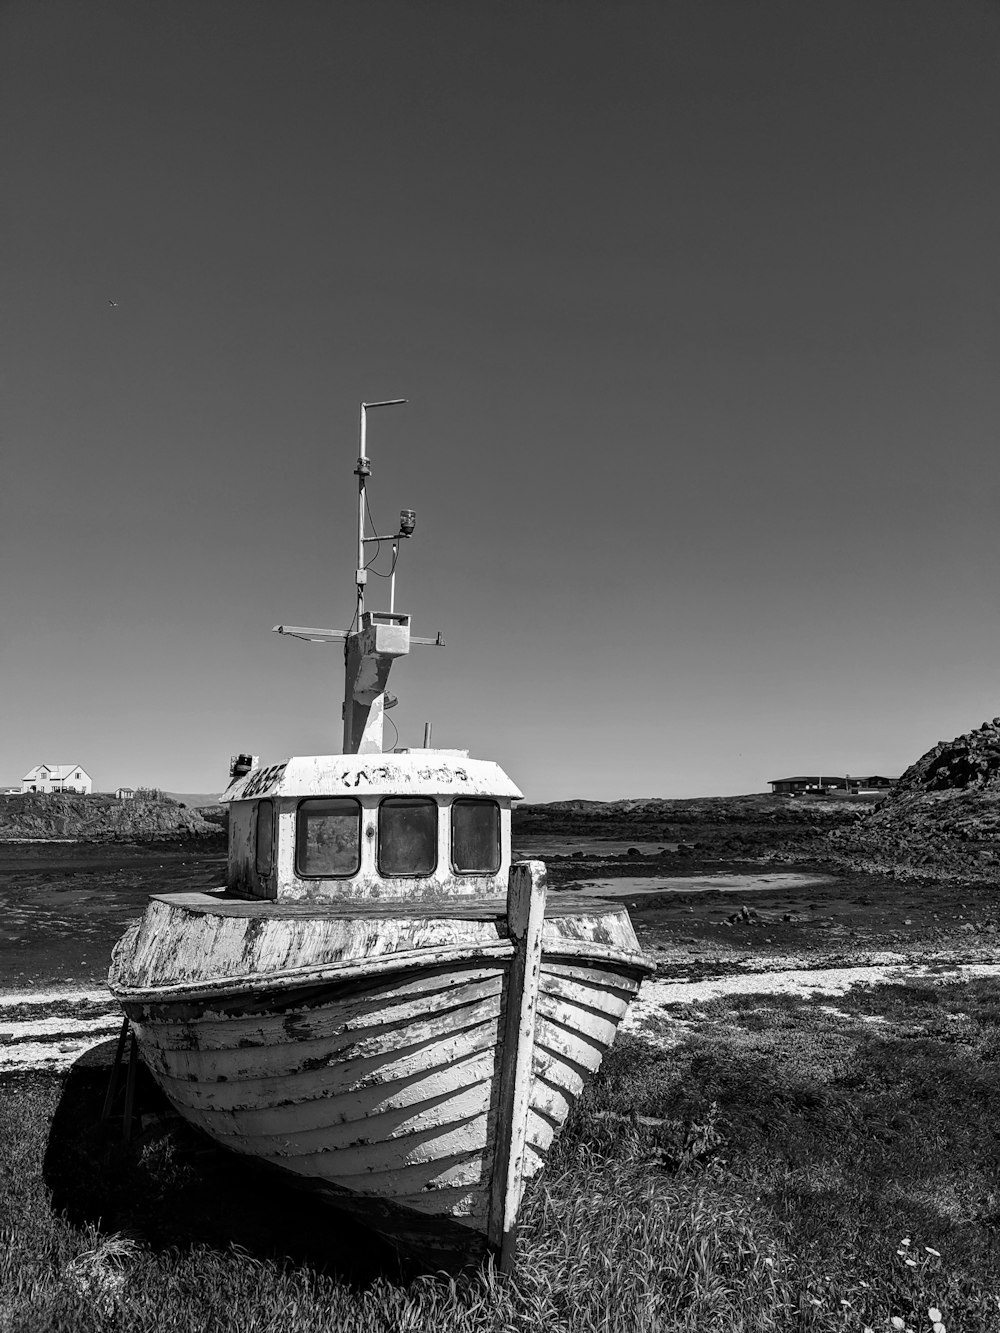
395, 733
378, 548
392, 567
378, 544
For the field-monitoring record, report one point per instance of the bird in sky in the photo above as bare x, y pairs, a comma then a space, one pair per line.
114, 303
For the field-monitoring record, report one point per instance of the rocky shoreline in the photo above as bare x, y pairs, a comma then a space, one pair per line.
70, 818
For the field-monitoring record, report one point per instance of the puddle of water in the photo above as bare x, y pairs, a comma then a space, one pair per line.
630, 886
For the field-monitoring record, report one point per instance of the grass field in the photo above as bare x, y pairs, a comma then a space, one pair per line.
785, 1164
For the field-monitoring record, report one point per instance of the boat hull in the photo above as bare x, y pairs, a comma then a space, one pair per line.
382, 1085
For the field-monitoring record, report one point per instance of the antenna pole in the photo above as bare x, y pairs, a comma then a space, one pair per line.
362, 472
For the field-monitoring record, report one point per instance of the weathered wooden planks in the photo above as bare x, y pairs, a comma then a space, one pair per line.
419, 1088
268, 1059
202, 944
380, 1073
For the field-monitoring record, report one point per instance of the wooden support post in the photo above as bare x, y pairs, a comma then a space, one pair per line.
525, 920
109, 1096
133, 1060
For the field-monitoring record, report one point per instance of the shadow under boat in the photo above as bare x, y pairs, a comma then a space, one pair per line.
176, 1189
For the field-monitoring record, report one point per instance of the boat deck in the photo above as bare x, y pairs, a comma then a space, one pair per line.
456, 908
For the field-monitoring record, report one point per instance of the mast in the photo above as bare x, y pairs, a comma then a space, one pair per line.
380, 636
363, 471
369, 651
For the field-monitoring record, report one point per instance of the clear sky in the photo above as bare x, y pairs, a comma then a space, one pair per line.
697, 307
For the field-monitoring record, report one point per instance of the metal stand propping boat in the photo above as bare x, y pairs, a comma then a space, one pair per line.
379, 1003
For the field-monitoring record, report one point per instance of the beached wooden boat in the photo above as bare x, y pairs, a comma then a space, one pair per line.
378, 1002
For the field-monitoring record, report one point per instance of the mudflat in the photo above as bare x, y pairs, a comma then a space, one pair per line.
63, 905
761, 881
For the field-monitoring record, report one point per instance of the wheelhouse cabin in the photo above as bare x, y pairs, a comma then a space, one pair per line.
414, 824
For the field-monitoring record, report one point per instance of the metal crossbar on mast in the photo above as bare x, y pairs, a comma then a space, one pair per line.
329, 635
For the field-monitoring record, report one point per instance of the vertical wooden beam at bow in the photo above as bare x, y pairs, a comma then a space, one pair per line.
525, 920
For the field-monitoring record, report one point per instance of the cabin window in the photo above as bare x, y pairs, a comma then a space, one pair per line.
407, 836
328, 837
265, 837
475, 837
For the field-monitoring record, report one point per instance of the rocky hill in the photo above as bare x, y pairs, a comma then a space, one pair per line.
101, 818
941, 818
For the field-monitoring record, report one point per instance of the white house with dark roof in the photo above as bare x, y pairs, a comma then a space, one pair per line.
57, 777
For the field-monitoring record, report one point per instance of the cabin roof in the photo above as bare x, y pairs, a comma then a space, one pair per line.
413, 773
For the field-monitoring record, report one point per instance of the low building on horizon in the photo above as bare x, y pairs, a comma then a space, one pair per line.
58, 777
125, 793
849, 785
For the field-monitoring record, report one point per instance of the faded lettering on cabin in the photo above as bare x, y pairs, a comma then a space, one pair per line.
262, 779
390, 775
381, 773
445, 774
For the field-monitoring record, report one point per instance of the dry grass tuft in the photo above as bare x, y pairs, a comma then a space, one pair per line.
100, 1273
